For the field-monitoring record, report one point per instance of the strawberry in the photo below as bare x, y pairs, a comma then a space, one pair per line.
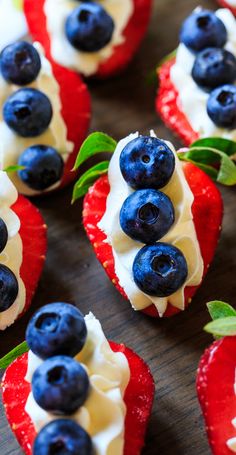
207, 210
168, 107
225, 4
138, 398
215, 386
133, 34
34, 238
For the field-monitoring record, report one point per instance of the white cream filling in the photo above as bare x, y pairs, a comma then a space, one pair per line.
12, 145
12, 23
191, 98
103, 413
231, 443
231, 2
12, 254
182, 234
64, 53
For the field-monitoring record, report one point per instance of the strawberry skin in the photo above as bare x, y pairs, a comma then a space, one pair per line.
133, 34
215, 388
138, 398
207, 211
225, 4
168, 109
33, 232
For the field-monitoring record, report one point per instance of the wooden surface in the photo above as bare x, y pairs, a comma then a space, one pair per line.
172, 348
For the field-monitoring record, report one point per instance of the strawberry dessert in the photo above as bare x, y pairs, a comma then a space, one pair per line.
231, 4
197, 93
147, 222
75, 392
216, 381
45, 112
96, 38
22, 251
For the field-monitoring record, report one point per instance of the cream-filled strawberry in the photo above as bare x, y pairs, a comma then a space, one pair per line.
145, 220
93, 38
216, 380
197, 94
22, 251
231, 4
42, 121
77, 390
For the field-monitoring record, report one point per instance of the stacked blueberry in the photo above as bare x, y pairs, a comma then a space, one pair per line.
60, 385
89, 27
28, 112
214, 69
147, 164
8, 283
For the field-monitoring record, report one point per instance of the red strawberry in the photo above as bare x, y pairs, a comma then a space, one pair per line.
225, 4
33, 232
215, 388
133, 33
138, 398
168, 107
207, 211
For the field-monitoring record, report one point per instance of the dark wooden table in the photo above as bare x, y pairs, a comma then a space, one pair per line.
171, 347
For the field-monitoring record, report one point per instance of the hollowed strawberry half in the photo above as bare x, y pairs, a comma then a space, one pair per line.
138, 398
207, 212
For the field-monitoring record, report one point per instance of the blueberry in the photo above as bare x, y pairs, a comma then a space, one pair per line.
214, 67
8, 288
62, 437
43, 166
56, 329
3, 234
89, 27
147, 215
221, 106
20, 63
60, 385
160, 269
147, 162
203, 29
28, 112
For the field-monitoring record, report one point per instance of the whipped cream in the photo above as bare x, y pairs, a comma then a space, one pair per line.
231, 443
192, 99
231, 2
12, 23
12, 145
103, 413
64, 53
12, 255
182, 234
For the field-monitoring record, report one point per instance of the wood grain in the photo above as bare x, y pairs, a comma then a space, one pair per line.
172, 348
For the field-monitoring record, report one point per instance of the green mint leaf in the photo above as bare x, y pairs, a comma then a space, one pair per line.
94, 144
13, 168
224, 145
18, 4
219, 310
12, 355
222, 327
209, 170
168, 57
88, 178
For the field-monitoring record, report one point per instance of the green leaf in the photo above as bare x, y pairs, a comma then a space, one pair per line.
18, 4
218, 309
224, 145
222, 327
12, 355
94, 144
13, 168
88, 178
209, 170
169, 56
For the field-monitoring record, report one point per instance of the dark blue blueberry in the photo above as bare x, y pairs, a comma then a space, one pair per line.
160, 269
203, 29
43, 166
20, 63
221, 106
8, 288
147, 215
60, 385
56, 329
62, 437
89, 27
3, 235
214, 67
147, 162
27, 112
